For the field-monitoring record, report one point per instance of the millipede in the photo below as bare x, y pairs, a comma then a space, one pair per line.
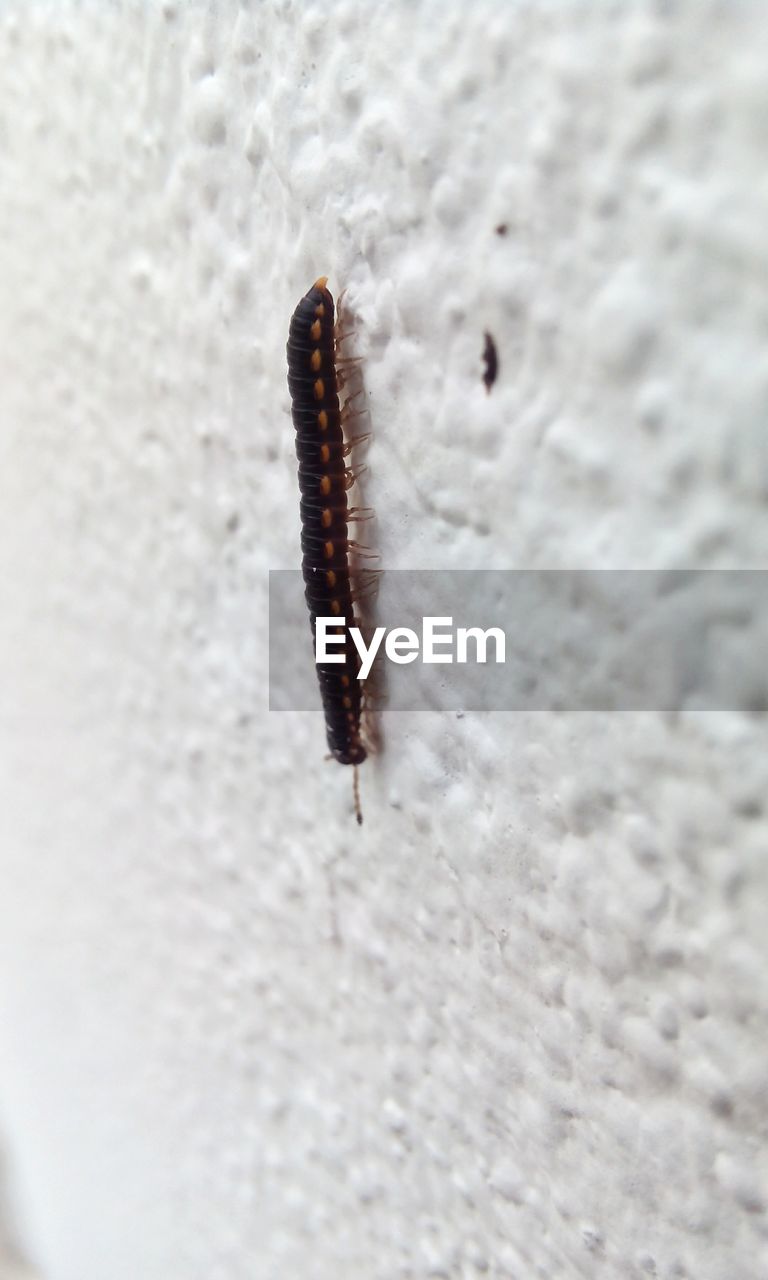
314, 380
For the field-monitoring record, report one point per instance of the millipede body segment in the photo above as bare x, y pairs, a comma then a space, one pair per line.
323, 481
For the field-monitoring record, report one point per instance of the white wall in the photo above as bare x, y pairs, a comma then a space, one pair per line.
516, 1025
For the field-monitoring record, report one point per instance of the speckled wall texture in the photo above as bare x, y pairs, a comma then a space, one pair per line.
515, 1026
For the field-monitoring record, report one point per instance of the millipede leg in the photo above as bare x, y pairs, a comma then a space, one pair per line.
356, 795
369, 577
365, 596
351, 476
347, 412
349, 446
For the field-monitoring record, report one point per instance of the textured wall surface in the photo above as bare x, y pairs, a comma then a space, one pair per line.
515, 1026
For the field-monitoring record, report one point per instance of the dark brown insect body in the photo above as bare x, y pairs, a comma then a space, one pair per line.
323, 480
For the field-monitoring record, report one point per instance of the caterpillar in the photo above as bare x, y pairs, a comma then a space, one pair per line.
324, 478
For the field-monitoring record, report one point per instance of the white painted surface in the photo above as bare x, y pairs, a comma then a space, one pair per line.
516, 1026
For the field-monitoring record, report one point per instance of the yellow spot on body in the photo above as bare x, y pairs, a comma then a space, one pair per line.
328, 550
320, 310
345, 681
322, 420
315, 331
346, 702
316, 360
325, 453
335, 607
326, 517
330, 578
325, 485
320, 282
319, 389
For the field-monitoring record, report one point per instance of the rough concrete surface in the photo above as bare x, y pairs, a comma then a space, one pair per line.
515, 1026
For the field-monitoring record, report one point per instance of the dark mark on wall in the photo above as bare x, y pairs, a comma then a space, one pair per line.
491, 360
